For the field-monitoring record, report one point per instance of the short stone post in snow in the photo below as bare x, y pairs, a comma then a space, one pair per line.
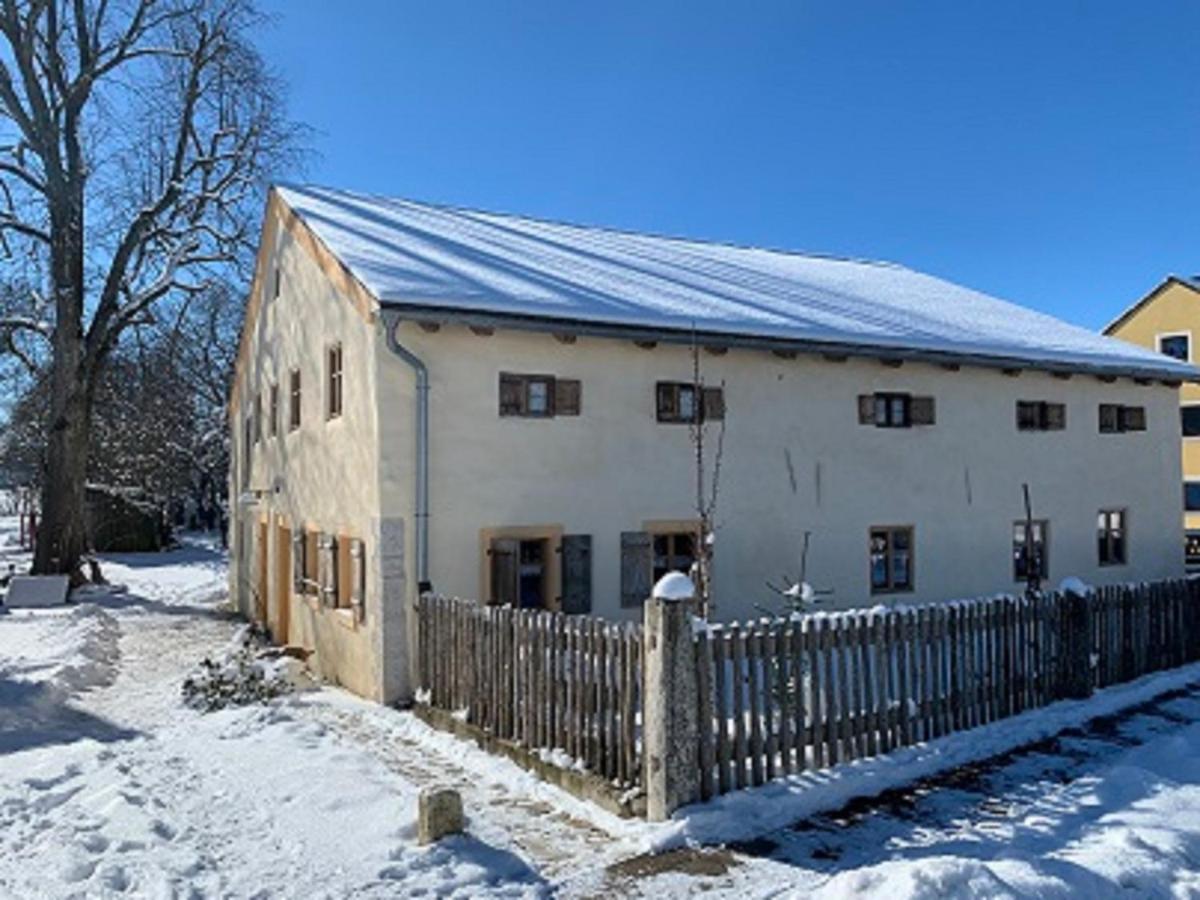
1078, 644
670, 723
439, 813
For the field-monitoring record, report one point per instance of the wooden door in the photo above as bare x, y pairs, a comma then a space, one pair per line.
283, 585
260, 595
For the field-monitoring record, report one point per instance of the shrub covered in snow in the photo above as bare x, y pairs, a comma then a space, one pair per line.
247, 671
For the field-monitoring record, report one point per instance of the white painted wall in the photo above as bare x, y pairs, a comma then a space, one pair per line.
614, 467
323, 475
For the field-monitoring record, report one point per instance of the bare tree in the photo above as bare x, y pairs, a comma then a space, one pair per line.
135, 136
707, 482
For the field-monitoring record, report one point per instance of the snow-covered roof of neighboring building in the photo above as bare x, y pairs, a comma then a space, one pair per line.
436, 258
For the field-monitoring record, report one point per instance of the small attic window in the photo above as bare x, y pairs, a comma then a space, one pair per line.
1178, 346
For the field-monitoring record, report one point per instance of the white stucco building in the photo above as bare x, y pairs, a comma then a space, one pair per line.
498, 408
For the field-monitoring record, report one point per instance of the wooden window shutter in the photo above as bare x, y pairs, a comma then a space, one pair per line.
505, 553
344, 573
866, 409
666, 401
567, 398
512, 395
577, 574
358, 579
298, 545
921, 411
637, 567
328, 569
714, 403
1056, 416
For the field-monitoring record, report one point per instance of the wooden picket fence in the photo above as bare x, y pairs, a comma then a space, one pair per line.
784, 695
542, 680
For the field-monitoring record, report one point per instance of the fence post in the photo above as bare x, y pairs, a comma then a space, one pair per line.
1078, 645
670, 726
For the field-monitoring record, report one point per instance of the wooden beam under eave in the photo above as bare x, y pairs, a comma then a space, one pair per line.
1107, 379
1171, 383
950, 367
1011, 373
1064, 376
431, 327
715, 350
891, 362
564, 338
785, 354
482, 330
835, 357
1143, 381
646, 345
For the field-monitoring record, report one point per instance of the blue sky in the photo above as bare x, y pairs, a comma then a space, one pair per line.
1048, 153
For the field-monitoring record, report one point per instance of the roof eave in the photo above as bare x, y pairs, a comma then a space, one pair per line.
548, 324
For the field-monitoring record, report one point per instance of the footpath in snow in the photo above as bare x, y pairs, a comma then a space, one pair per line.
111, 786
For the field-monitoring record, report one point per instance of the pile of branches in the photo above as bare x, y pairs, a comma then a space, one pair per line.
246, 673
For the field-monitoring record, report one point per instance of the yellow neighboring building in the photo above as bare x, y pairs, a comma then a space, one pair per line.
1168, 320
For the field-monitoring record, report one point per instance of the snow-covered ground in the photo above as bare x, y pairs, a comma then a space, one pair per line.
110, 785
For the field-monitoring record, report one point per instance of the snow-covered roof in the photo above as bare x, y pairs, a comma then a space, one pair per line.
426, 257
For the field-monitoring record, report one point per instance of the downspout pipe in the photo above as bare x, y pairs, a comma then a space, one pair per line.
391, 319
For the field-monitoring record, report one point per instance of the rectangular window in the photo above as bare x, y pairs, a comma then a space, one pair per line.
334, 387
891, 552
258, 429
294, 400
673, 552
247, 456
675, 401
1030, 549
1176, 345
278, 279
520, 572
538, 396
1189, 419
1111, 537
1191, 496
1115, 418
273, 410
1038, 415
891, 410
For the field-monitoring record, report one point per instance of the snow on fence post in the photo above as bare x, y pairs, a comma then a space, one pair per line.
671, 728
1077, 643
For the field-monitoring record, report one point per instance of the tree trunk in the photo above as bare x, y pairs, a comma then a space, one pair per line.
61, 533
62, 540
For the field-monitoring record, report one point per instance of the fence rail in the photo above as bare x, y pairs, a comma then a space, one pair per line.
565, 684
781, 696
